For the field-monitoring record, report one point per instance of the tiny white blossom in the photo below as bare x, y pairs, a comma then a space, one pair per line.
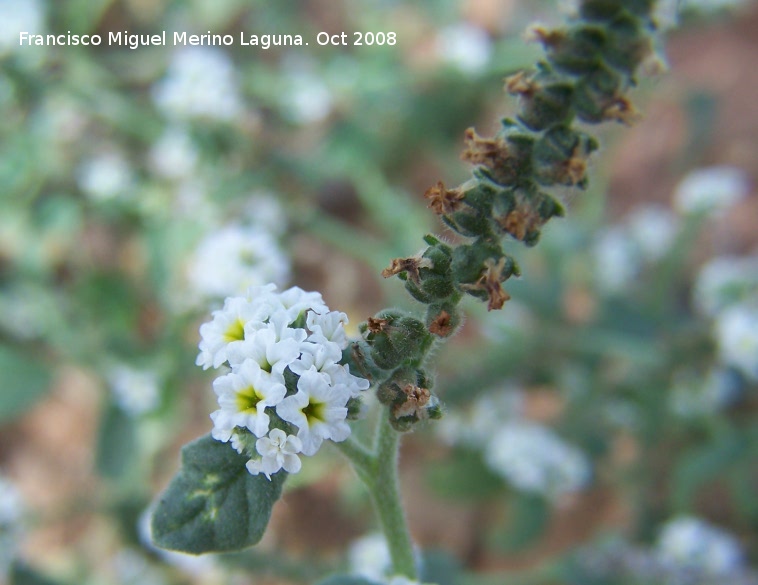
200, 83
465, 46
737, 338
278, 451
653, 229
308, 99
725, 281
298, 302
272, 347
711, 190
19, 15
533, 459
105, 176
616, 260
693, 395
243, 396
12, 512
136, 391
329, 326
234, 258
317, 410
693, 543
226, 329
173, 155
369, 557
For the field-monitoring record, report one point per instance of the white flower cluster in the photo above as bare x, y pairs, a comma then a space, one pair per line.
369, 557
711, 190
12, 511
694, 395
105, 176
136, 391
201, 83
534, 459
465, 46
230, 260
726, 289
526, 454
286, 390
621, 251
693, 543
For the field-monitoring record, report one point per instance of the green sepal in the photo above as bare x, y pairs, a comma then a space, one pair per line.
213, 504
435, 282
629, 44
580, 51
550, 105
594, 93
469, 260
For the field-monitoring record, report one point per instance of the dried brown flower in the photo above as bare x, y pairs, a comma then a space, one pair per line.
443, 201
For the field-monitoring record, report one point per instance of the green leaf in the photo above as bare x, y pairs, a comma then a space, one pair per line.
22, 574
347, 580
464, 477
213, 504
529, 515
24, 381
117, 444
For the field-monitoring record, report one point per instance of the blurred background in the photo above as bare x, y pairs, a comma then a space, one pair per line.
601, 429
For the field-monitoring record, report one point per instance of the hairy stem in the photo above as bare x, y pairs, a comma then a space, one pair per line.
379, 472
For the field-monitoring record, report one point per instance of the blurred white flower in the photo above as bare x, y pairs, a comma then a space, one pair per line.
737, 338
653, 229
307, 98
136, 391
173, 156
488, 412
616, 259
17, 16
693, 543
12, 512
711, 190
465, 46
369, 557
105, 176
201, 82
533, 459
264, 209
725, 281
693, 395
230, 260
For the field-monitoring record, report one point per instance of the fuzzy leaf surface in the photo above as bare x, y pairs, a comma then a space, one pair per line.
213, 504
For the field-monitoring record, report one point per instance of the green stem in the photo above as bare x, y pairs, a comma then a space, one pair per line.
379, 472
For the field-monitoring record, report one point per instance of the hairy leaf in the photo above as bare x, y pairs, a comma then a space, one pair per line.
213, 504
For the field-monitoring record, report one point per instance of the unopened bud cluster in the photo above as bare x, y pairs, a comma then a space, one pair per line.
588, 68
285, 389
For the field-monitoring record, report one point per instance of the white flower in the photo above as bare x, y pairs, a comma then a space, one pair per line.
308, 99
485, 416
234, 258
262, 209
136, 391
711, 190
317, 409
725, 281
297, 302
695, 544
243, 396
272, 347
201, 83
226, 329
105, 176
329, 326
12, 512
369, 557
737, 338
278, 451
653, 229
465, 46
616, 260
533, 459
692, 395
19, 15
173, 155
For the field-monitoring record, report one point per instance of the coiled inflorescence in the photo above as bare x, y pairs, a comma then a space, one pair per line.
587, 70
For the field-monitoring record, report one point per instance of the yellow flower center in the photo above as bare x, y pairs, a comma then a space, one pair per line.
248, 399
235, 332
315, 411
